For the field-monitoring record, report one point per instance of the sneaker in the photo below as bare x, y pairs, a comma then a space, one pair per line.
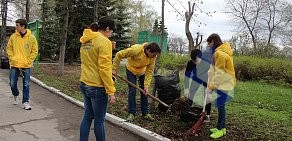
130, 117
26, 106
218, 134
213, 130
148, 117
207, 119
15, 100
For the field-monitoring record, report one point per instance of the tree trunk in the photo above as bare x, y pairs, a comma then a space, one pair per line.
27, 9
63, 37
95, 14
4, 19
189, 35
188, 16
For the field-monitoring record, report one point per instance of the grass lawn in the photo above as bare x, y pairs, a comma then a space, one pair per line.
259, 111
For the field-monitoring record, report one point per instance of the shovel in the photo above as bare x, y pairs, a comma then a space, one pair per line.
140, 89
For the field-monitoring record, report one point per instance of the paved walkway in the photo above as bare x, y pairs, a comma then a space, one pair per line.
52, 118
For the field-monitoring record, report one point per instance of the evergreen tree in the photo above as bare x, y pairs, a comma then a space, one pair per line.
82, 14
122, 34
49, 34
160, 27
155, 28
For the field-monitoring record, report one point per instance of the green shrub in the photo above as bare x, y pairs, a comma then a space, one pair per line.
173, 62
267, 69
247, 68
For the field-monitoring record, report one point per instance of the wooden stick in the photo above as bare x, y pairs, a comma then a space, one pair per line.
140, 89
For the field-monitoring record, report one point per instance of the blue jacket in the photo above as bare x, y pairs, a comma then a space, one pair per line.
199, 73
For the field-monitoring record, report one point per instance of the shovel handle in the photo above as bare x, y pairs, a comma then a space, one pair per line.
140, 89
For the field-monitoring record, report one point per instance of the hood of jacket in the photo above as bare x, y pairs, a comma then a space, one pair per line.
88, 34
225, 47
28, 32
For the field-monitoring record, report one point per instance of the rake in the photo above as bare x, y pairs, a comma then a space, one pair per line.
197, 127
140, 89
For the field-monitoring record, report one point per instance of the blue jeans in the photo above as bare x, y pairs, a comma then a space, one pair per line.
220, 102
13, 78
95, 105
132, 94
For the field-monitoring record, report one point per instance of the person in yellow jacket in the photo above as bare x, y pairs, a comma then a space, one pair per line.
140, 64
22, 50
221, 79
96, 77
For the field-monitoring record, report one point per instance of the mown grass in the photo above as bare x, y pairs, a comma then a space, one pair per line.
259, 111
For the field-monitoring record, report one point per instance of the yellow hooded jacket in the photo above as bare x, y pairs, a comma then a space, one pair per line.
137, 62
96, 61
222, 74
22, 50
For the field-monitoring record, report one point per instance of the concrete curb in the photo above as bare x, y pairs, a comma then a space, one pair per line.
144, 133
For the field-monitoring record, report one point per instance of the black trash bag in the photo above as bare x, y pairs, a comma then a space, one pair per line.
191, 115
168, 89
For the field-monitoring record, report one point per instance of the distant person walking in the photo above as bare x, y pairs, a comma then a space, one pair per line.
221, 80
96, 77
140, 64
22, 50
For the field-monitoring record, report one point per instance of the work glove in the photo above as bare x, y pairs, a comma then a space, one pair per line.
208, 93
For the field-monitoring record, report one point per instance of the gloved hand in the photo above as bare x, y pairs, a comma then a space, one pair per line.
187, 93
208, 93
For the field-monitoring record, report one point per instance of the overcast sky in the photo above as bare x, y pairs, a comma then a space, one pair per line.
218, 23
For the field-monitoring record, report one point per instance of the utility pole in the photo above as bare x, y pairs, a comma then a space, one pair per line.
162, 37
161, 46
162, 24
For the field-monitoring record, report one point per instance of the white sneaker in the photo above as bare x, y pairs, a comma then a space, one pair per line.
15, 100
26, 106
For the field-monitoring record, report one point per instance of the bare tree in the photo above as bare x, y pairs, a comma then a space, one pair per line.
247, 14
275, 15
63, 37
188, 16
28, 9
264, 20
176, 44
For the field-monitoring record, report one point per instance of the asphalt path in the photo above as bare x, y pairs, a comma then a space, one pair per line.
52, 118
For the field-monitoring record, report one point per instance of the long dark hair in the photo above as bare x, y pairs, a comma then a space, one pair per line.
217, 42
216, 39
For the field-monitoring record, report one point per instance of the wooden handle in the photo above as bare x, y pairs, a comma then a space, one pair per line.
151, 96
